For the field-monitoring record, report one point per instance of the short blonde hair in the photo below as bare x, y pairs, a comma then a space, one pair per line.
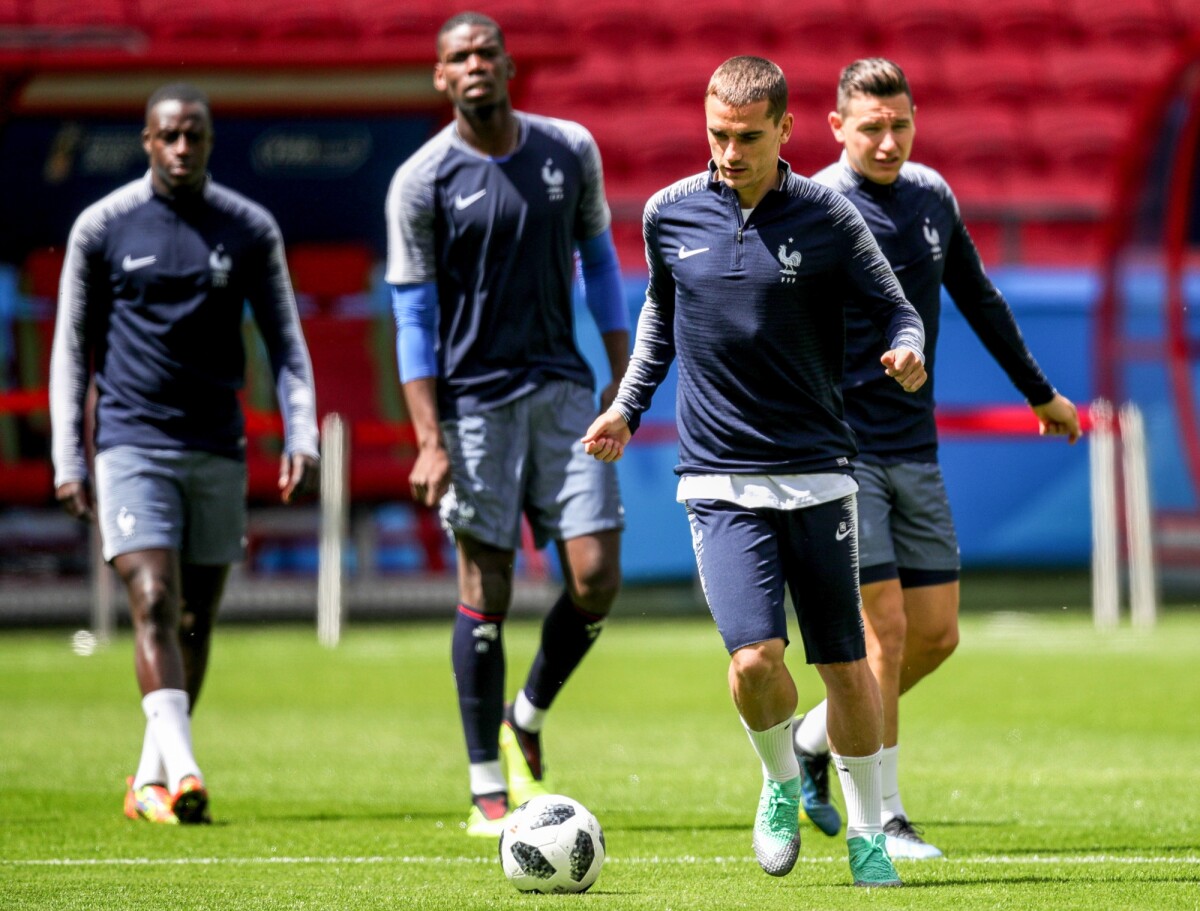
742, 81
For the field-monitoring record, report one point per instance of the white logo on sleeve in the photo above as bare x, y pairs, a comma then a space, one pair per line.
684, 253
133, 263
843, 531
126, 522
462, 202
554, 179
790, 262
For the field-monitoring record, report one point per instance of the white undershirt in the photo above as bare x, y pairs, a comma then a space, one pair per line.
766, 491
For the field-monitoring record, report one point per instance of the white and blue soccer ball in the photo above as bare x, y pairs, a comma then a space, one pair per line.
552, 843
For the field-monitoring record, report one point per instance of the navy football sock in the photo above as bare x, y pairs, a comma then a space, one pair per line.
567, 634
478, 660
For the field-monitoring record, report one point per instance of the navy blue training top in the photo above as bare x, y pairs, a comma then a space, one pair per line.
754, 313
151, 301
917, 223
498, 237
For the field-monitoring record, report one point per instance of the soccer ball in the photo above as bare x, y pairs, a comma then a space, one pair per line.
552, 844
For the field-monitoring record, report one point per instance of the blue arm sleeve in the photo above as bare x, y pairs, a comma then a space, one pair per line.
602, 282
415, 309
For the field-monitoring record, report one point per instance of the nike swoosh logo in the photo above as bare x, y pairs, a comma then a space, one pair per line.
461, 202
684, 253
130, 264
841, 535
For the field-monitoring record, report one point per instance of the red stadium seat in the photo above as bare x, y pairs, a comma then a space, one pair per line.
1106, 75
1085, 141
303, 20
413, 22
835, 30
326, 274
677, 78
645, 153
1184, 15
974, 138
41, 272
595, 83
73, 13
1129, 24
923, 26
992, 75
812, 80
618, 26
1027, 24
715, 30
228, 21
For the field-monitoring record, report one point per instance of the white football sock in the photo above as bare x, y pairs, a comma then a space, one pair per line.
487, 778
150, 768
774, 748
167, 718
810, 732
890, 784
527, 715
859, 776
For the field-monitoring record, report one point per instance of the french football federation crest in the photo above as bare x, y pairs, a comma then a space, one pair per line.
790, 262
554, 179
221, 264
933, 239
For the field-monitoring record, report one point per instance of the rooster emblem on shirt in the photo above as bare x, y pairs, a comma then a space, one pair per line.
790, 262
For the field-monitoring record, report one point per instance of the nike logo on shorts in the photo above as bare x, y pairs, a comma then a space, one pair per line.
461, 202
132, 264
684, 253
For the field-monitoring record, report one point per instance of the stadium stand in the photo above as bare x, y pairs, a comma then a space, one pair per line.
1131, 25
1029, 25
1022, 104
930, 26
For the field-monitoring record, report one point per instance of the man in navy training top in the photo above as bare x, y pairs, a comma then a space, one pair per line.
151, 303
750, 266
908, 552
483, 224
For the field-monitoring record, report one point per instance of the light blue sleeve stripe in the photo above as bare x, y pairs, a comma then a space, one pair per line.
602, 282
416, 313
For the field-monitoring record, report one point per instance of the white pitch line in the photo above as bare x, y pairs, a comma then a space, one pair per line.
687, 860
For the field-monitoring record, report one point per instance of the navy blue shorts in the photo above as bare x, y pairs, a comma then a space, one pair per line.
747, 556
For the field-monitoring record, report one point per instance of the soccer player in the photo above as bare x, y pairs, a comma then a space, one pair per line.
150, 307
483, 224
750, 266
908, 552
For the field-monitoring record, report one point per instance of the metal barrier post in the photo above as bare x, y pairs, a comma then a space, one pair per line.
335, 508
1143, 586
1102, 458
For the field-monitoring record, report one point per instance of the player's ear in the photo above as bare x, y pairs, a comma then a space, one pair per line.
836, 124
439, 78
785, 127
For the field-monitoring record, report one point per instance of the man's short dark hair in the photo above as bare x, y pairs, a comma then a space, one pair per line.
469, 18
876, 77
177, 91
742, 81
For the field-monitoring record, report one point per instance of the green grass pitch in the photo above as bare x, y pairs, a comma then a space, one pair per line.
1058, 767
